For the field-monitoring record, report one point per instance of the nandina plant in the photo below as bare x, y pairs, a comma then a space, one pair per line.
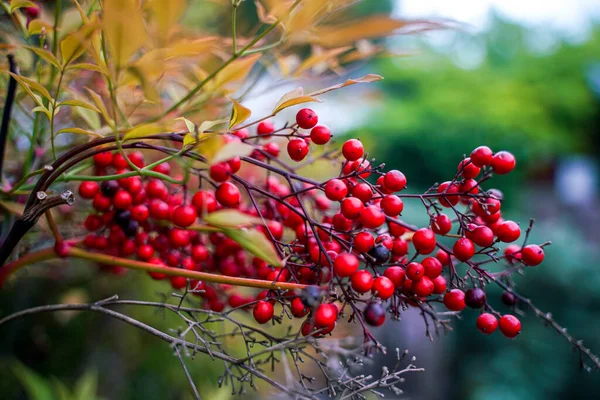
139, 125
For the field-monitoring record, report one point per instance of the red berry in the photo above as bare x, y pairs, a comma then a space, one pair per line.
156, 189
265, 128
159, 210
449, 196
297, 149
272, 148
325, 315
353, 150
346, 264
363, 242
179, 237
372, 217
502, 163
396, 274
306, 118
510, 326
467, 169
383, 287
439, 285
486, 323
119, 162
424, 241
363, 192
101, 202
532, 255
352, 207
482, 156
178, 282
423, 287
463, 249
93, 223
220, 172
228, 195
400, 247
335, 189
32, 12
241, 133
140, 213
454, 300
163, 168
263, 312
204, 202
482, 236
88, 189
145, 252
469, 186
103, 160
320, 134
441, 224
415, 271
392, 205
374, 314
394, 181
433, 267
298, 308
184, 216
508, 231
362, 281
122, 200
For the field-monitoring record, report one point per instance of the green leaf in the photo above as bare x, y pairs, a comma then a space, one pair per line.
37, 388
16, 4
45, 55
227, 218
43, 110
29, 85
254, 242
79, 103
86, 387
78, 131
239, 114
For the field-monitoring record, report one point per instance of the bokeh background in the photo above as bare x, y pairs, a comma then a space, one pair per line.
522, 76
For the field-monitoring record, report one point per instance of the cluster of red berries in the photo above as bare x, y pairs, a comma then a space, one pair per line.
352, 239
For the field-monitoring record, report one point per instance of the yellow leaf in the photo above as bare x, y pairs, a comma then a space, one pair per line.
82, 13
228, 218
231, 150
255, 243
42, 109
30, 84
124, 29
188, 124
293, 98
100, 104
36, 26
89, 67
79, 103
209, 145
236, 71
166, 13
45, 55
239, 114
144, 130
15, 4
365, 79
74, 44
77, 131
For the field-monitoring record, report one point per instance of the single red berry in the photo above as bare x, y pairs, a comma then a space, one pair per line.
241, 133
392, 205
502, 163
156, 189
101, 202
220, 172
508, 231
297, 149
145, 252
449, 194
482, 156
235, 164
423, 287
383, 287
320, 134
353, 150
396, 274
441, 224
486, 323
482, 236
140, 213
469, 186
454, 300
363, 242
32, 12
306, 118
325, 315
163, 168
298, 308
424, 241
204, 202
159, 210
400, 247
263, 312
467, 169
372, 217
336, 189
433, 267
439, 285
341, 223
93, 223
510, 326
122, 200
363, 192
351, 207
228, 195
272, 148
415, 271
346, 264
179, 237
532, 255
394, 181
265, 128
178, 282
119, 162
184, 215
475, 297
103, 160
362, 281
463, 249
88, 189
374, 314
